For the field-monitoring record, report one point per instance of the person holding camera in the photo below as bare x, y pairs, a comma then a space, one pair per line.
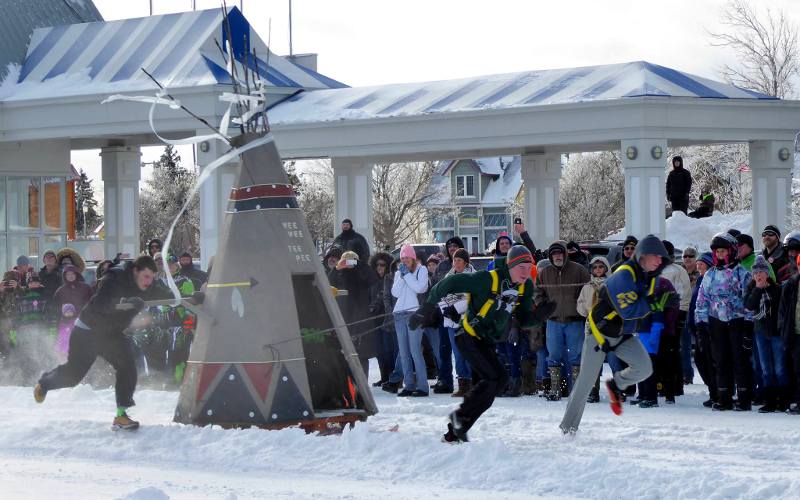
99, 331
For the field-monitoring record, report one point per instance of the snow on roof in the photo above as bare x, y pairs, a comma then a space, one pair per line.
504, 189
19, 19
532, 88
179, 50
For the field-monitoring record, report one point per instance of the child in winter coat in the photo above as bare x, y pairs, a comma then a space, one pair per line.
73, 291
65, 325
763, 297
721, 313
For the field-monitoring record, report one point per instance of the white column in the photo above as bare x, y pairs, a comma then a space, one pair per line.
214, 195
541, 174
645, 186
772, 184
122, 169
352, 182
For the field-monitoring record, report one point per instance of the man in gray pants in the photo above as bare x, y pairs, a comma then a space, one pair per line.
625, 298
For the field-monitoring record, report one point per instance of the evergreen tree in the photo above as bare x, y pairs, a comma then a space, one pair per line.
86, 217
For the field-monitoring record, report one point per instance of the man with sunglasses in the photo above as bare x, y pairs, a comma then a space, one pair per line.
773, 250
628, 247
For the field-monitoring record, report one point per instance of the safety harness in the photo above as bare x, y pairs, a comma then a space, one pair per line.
624, 299
497, 296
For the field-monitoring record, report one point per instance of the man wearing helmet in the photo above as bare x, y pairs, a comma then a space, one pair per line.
791, 244
721, 313
626, 298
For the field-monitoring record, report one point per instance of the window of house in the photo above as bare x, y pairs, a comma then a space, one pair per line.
465, 186
468, 217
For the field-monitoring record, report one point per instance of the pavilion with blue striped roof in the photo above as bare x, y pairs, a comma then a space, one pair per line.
51, 105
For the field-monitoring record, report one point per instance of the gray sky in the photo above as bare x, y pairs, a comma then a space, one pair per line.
368, 42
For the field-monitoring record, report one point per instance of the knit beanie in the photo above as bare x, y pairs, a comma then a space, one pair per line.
408, 251
760, 264
517, 255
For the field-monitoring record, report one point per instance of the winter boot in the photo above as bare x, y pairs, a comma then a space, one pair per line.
391, 387
555, 383
513, 388
781, 399
770, 401
528, 377
648, 403
124, 423
794, 409
615, 395
575, 373
724, 401
457, 428
464, 385
743, 401
594, 395
708, 403
543, 387
39, 393
442, 388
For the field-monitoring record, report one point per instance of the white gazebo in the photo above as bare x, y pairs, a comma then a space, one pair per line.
639, 108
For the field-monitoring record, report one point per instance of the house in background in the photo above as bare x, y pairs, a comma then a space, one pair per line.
476, 200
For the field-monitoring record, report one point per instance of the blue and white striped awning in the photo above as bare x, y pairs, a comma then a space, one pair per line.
180, 50
533, 88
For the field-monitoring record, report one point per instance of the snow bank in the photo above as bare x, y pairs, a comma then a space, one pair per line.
517, 451
683, 231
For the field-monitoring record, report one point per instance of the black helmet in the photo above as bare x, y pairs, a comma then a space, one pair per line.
725, 240
792, 241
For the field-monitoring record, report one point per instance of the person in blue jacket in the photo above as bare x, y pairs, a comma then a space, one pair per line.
626, 298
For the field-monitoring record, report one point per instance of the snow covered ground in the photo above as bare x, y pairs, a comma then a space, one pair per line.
64, 449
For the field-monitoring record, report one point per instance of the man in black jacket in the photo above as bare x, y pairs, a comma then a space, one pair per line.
99, 332
790, 332
679, 183
188, 270
349, 239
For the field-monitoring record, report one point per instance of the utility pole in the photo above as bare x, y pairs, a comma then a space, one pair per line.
151, 7
290, 28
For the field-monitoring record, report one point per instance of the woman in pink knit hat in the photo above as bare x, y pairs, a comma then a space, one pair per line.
410, 282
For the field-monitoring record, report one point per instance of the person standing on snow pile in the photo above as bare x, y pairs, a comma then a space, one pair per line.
789, 328
350, 240
670, 369
494, 298
627, 297
721, 313
763, 299
99, 332
679, 184
561, 284
586, 300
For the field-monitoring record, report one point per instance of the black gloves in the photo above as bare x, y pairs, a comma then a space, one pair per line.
428, 315
452, 314
135, 303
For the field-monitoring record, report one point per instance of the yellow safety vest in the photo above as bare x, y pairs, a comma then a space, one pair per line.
487, 306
